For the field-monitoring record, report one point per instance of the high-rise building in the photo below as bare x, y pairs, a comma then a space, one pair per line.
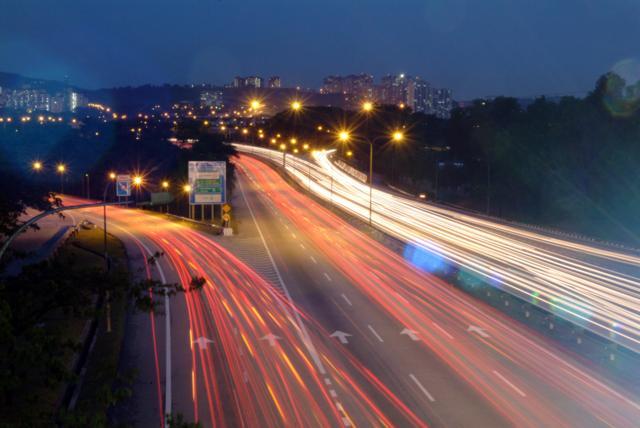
442, 103
393, 88
77, 100
28, 99
354, 87
58, 103
274, 82
247, 82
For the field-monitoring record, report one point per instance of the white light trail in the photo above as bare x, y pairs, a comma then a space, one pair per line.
596, 288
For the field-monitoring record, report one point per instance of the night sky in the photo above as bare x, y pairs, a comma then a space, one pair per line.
475, 47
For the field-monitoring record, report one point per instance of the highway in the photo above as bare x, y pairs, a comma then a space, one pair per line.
239, 352
595, 287
454, 360
305, 321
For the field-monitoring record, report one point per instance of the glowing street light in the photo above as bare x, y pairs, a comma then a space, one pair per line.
293, 141
305, 146
255, 104
186, 188
112, 175
296, 106
165, 184
397, 136
367, 106
137, 180
344, 136
36, 165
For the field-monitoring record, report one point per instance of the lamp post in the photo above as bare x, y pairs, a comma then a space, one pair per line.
61, 169
187, 190
397, 136
86, 175
165, 187
283, 147
107, 263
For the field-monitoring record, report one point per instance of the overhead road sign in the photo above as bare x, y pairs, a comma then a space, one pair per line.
208, 181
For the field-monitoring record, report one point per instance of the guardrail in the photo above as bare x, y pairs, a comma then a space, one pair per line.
528, 265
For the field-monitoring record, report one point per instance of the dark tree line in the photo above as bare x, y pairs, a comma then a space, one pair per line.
571, 163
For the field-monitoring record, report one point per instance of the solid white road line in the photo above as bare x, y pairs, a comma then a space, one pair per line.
422, 388
375, 333
446, 333
346, 299
505, 380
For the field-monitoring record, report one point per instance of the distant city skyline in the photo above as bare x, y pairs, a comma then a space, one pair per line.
495, 47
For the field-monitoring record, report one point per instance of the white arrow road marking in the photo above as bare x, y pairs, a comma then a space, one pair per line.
422, 388
271, 338
477, 330
202, 342
411, 333
341, 335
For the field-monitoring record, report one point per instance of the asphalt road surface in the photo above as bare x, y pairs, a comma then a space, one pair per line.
305, 321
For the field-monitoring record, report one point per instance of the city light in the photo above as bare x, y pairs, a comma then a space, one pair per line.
37, 165
61, 168
245, 131
137, 180
293, 141
283, 146
112, 175
186, 188
296, 105
344, 136
165, 184
305, 146
397, 136
367, 106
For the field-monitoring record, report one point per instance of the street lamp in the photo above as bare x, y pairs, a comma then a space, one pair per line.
61, 168
396, 136
37, 166
187, 190
86, 175
344, 136
367, 106
255, 104
165, 184
283, 147
296, 106
112, 175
